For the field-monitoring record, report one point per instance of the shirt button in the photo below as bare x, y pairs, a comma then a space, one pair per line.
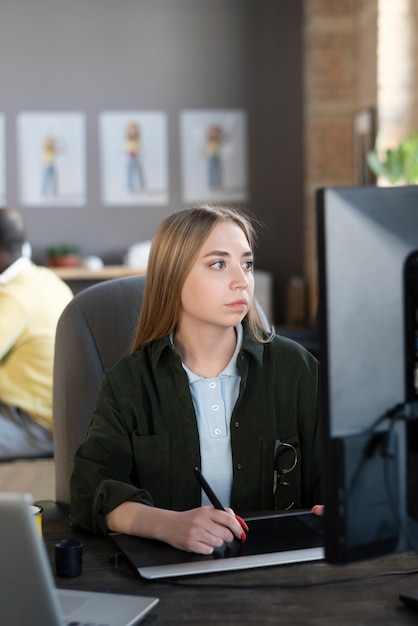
239, 466
215, 407
212, 385
236, 424
217, 431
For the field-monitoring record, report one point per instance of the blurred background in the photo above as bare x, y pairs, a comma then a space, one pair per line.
317, 79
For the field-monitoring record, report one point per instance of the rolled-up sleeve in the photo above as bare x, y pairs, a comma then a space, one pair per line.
103, 464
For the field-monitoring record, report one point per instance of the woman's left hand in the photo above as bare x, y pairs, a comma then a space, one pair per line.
318, 509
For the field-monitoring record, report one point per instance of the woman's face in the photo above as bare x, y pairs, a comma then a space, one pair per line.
220, 286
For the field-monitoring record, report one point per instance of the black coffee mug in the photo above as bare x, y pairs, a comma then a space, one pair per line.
69, 557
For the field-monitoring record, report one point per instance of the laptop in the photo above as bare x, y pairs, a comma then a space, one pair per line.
27, 591
276, 539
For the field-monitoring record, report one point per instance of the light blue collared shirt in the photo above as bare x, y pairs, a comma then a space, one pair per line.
214, 400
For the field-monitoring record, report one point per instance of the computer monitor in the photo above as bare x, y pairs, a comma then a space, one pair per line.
368, 324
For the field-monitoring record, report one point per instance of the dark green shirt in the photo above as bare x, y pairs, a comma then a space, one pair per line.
143, 441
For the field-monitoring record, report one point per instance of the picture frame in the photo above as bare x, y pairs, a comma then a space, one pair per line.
52, 158
2, 159
134, 158
364, 137
214, 155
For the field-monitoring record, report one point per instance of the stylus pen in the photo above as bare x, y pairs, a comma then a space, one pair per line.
208, 490
215, 500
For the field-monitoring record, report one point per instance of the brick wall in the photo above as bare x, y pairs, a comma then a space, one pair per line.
365, 57
357, 54
329, 96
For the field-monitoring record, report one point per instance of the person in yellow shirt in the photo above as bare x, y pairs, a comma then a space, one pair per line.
31, 301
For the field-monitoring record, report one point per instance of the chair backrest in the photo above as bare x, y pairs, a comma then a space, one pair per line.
95, 330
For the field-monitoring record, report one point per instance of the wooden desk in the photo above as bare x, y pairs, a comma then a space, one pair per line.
79, 278
293, 594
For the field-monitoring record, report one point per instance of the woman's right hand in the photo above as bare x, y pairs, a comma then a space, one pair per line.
202, 530
198, 530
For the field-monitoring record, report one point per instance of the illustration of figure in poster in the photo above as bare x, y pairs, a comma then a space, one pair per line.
134, 169
215, 137
49, 174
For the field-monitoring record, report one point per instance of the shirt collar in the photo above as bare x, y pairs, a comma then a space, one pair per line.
16, 268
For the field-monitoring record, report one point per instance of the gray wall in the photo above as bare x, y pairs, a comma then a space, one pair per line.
96, 55
276, 162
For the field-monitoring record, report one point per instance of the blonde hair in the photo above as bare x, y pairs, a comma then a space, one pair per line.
174, 249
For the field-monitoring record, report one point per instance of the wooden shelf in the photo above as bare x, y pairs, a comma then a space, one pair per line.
107, 272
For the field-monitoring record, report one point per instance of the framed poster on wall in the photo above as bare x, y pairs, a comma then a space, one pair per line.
134, 158
2, 161
51, 158
214, 155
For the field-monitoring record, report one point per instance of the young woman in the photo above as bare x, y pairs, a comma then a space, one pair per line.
206, 385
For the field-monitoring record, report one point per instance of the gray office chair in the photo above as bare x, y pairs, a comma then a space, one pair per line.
95, 330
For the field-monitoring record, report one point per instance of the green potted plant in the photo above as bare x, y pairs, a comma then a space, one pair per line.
398, 165
63, 255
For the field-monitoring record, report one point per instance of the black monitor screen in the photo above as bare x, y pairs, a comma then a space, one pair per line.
368, 319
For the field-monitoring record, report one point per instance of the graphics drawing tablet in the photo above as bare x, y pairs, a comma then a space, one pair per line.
274, 539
